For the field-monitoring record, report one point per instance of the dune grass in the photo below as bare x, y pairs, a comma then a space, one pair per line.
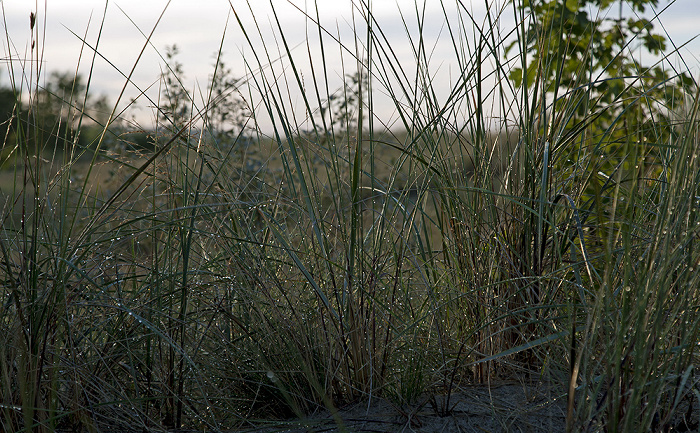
228, 283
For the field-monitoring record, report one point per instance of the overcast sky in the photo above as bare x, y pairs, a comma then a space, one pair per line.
197, 28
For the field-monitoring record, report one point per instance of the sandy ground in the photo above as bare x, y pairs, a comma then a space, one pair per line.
505, 407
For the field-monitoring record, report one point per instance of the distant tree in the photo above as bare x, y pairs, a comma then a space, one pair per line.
54, 110
58, 114
63, 96
339, 111
175, 104
227, 114
10, 107
101, 109
8, 104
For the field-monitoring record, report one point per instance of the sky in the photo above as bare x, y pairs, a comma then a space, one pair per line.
200, 29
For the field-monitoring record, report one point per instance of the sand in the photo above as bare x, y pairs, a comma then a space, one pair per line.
504, 407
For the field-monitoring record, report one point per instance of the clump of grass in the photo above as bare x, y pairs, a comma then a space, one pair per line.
226, 280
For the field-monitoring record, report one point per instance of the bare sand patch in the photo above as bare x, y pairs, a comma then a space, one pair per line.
503, 407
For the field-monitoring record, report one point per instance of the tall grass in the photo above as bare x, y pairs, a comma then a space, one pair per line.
223, 283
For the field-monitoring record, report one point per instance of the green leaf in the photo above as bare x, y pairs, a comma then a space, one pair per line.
517, 76
572, 5
531, 74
